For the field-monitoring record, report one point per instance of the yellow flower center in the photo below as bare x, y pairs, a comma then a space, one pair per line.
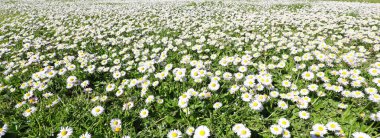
202, 132
117, 129
275, 129
63, 132
174, 134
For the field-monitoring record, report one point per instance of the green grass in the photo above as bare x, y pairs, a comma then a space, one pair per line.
74, 108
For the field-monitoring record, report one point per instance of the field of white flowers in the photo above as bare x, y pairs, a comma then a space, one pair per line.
199, 69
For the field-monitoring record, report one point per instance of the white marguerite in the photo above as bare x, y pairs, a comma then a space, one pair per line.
202, 132
97, 110
65, 132
144, 113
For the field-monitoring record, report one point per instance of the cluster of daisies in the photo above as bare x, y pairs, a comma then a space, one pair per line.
280, 128
199, 132
241, 131
320, 130
138, 69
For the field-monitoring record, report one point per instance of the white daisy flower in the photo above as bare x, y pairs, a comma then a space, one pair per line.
65, 132
283, 122
144, 113
202, 132
174, 134
96, 111
276, 129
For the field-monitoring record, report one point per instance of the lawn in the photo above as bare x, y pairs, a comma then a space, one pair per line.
131, 69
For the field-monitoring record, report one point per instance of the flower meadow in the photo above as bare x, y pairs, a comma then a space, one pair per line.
218, 69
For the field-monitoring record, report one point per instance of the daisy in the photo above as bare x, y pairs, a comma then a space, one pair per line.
308, 75
357, 94
3, 130
373, 71
28, 95
213, 86
242, 69
182, 103
96, 111
190, 130
244, 133
144, 113
344, 73
370, 90
119, 92
227, 76
374, 98
174, 134
342, 106
360, 135
71, 79
65, 132
85, 83
149, 99
128, 106
286, 134
237, 127
320, 128
217, 105
286, 83
249, 83
283, 105
304, 115
103, 98
304, 91
276, 129
256, 105
333, 126
115, 122
274, 94
202, 132
116, 128
316, 134
246, 97
85, 135
312, 87
284, 123
110, 87
29, 111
